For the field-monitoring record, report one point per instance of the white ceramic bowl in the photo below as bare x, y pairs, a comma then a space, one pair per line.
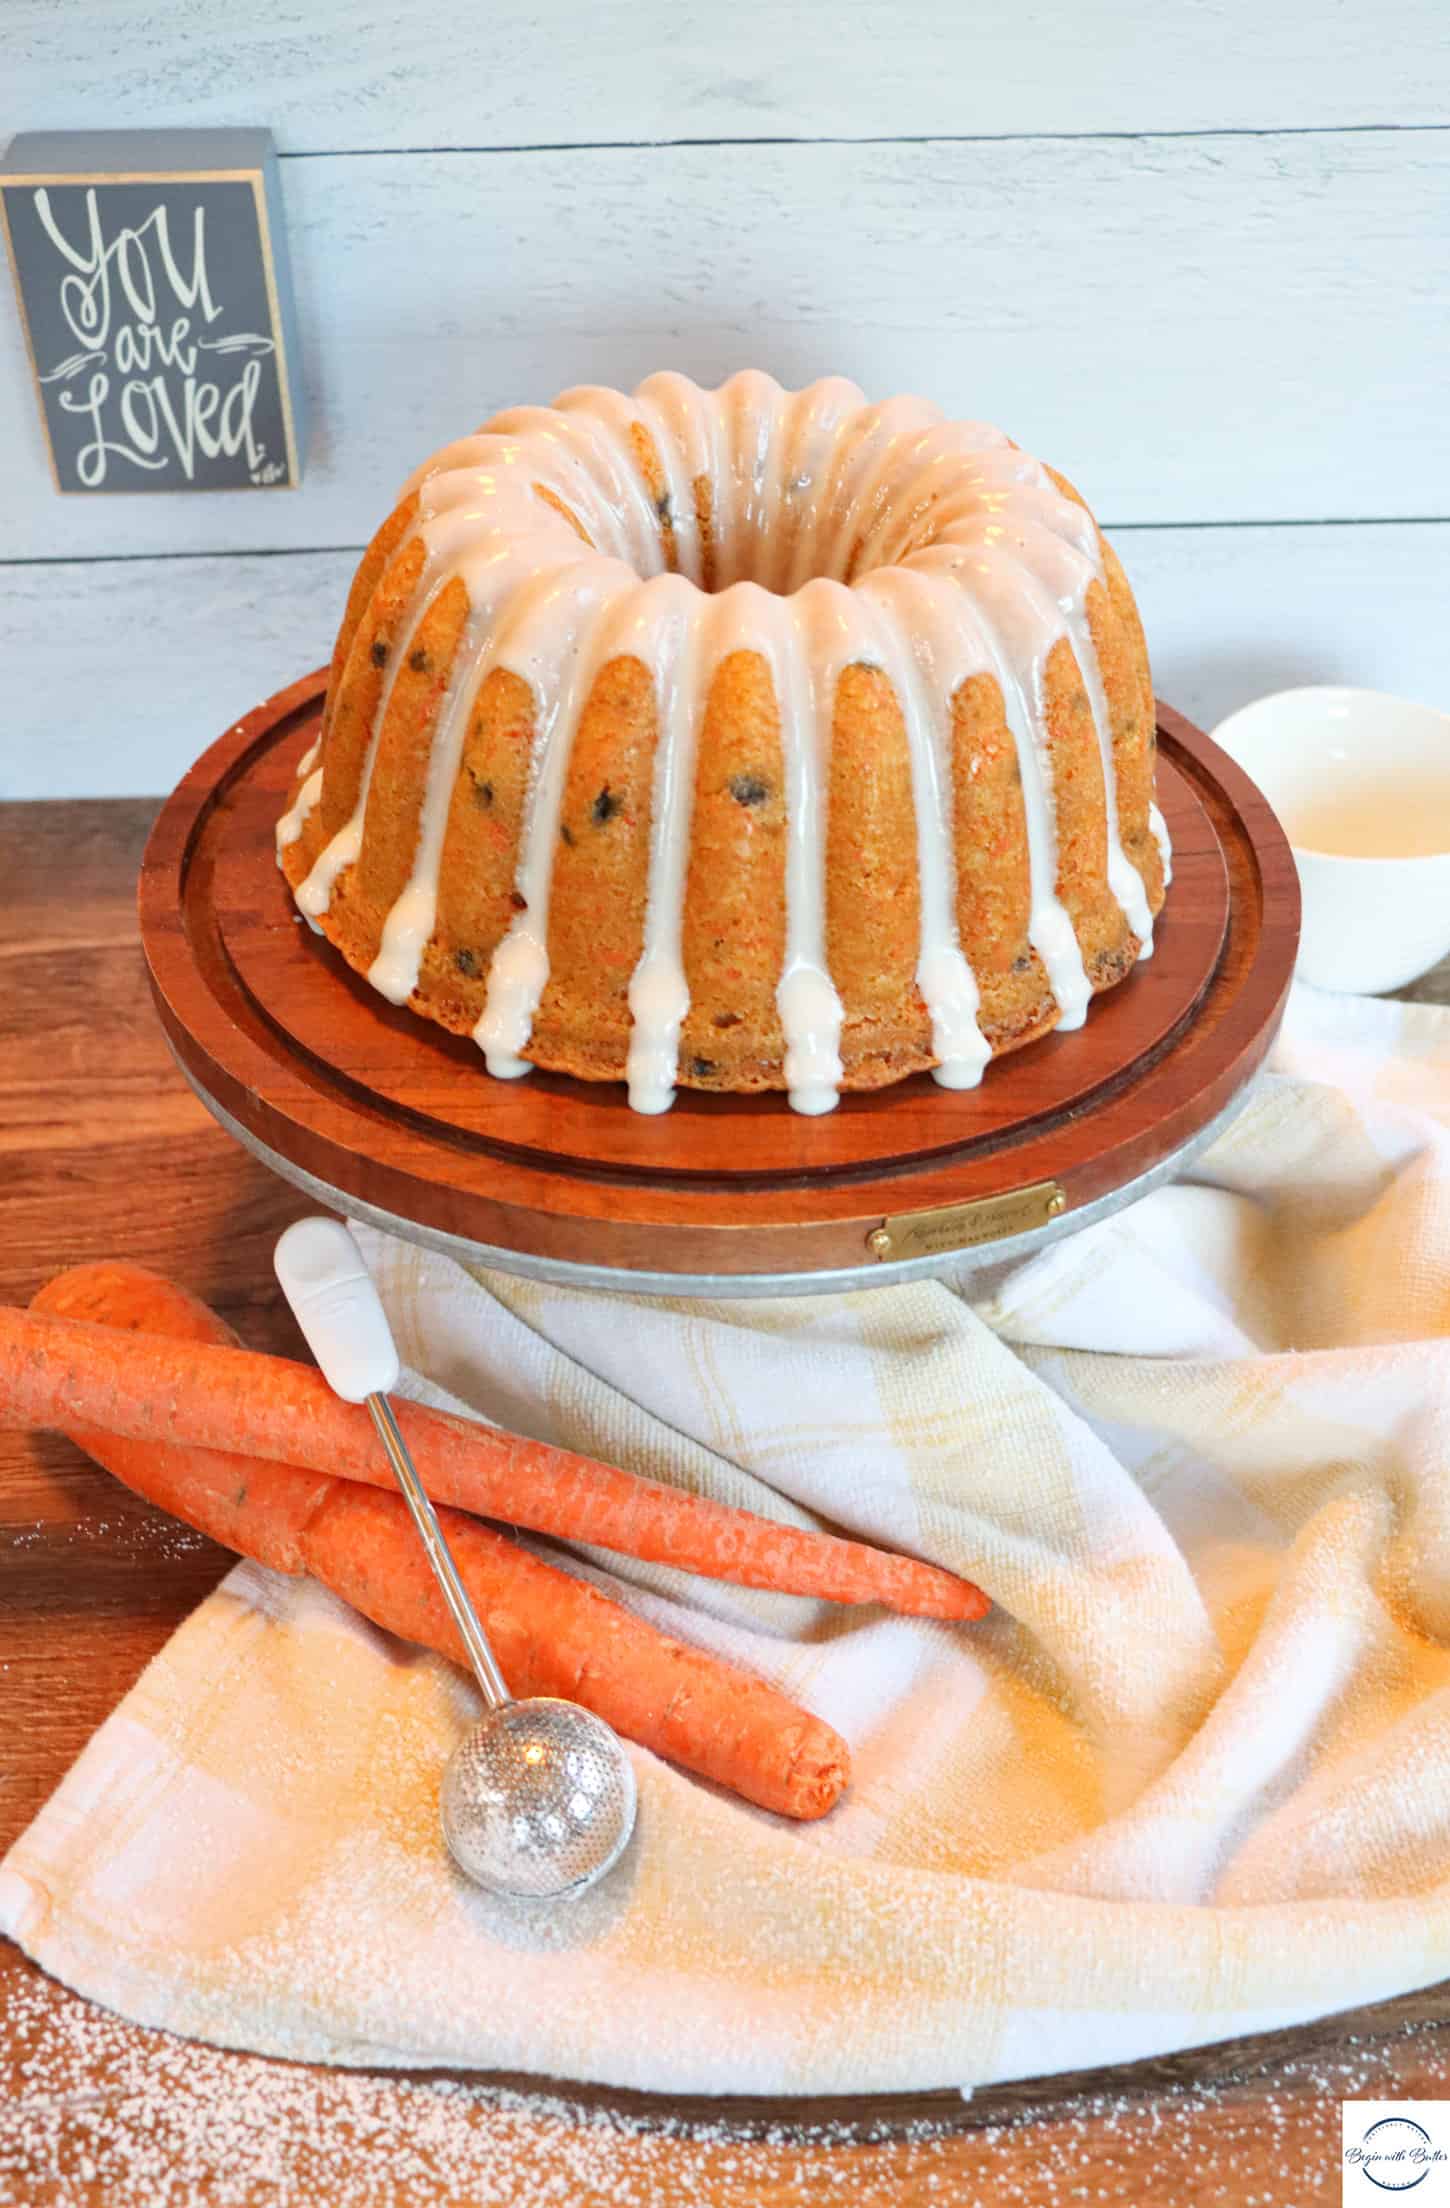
1361, 784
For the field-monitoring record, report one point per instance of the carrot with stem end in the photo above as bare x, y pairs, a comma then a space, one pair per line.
62, 1371
553, 1634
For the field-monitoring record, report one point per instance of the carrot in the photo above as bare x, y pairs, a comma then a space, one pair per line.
59, 1371
552, 1634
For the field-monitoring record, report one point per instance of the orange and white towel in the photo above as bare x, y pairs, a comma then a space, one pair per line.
1192, 1778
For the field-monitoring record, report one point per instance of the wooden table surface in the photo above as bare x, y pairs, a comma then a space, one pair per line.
103, 1151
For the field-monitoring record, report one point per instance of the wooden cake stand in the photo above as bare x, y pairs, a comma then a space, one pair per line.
381, 1115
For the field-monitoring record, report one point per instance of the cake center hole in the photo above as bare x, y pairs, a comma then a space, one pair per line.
774, 533
771, 533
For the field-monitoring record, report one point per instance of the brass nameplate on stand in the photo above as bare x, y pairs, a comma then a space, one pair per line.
965, 1226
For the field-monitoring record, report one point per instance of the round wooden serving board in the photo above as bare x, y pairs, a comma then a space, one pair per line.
384, 1116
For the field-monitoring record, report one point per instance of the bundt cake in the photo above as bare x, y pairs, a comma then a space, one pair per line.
738, 739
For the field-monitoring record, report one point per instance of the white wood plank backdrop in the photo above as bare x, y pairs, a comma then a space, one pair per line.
1199, 256
349, 75
1222, 328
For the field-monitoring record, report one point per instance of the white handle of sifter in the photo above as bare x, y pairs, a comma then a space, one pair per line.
334, 1301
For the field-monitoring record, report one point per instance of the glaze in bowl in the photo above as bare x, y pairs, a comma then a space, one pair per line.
1360, 781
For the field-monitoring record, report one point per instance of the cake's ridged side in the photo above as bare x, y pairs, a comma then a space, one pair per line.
1127, 678
734, 917
1122, 653
1125, 606
382, 627
873, 890
1080, 807
601, 876
404, 746
370, 571
994, 890
565, 512
651, 468
480, 848
705, 529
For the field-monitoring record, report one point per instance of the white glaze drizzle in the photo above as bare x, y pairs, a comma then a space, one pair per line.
963, 558
1158, 829
1020, 625
294, 820
314, 893
804, 674
1069, 572
495, 636
665, 636
560, 648
925, 673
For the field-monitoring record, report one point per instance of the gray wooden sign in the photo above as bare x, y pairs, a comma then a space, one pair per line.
151, 270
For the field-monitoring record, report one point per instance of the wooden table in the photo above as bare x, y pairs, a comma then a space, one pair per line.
103, 1150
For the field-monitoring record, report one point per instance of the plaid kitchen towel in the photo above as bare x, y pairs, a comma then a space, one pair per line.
1190, 1779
